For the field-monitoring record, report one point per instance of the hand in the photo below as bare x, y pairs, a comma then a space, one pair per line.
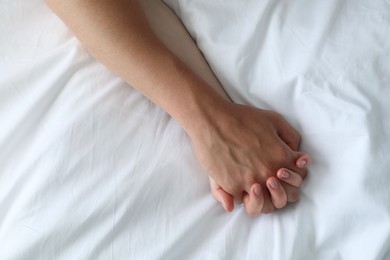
244, 146
254, 201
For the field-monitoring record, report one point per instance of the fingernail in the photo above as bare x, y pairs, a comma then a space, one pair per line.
274, 184
284, 174
257, 191
302, 163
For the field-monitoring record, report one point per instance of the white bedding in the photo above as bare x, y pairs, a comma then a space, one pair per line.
90, 169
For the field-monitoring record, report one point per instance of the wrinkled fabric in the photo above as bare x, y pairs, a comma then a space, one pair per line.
90, 169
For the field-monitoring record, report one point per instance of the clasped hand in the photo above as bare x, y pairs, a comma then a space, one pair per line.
251, 157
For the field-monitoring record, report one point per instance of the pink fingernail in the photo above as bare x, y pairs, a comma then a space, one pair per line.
284, 174
257, 191
302, 163
274, 184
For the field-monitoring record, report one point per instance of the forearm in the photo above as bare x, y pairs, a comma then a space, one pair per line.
118, 35
237, 145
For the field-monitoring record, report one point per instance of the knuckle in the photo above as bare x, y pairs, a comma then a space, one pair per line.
282, 153
235, 191
266, 172
285, 157
295, 136
231, 187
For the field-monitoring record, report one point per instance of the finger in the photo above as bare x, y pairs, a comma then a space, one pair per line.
290, 177
288, 133
268, 207
221, 196
278, 194
293, 193
300, 162
254, 201
290, 181
304, 160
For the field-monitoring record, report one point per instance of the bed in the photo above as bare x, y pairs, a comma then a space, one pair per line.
90, 169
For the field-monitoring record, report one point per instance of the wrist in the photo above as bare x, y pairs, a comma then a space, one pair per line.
186, 97
204, 114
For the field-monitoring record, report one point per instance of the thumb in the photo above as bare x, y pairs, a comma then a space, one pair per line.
221, 196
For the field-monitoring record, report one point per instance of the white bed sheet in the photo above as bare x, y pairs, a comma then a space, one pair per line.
90, 169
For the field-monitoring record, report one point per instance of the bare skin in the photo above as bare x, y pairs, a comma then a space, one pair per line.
254, 200
240, 147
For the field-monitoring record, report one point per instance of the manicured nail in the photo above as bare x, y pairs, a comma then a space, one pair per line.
274, 184
302, 163
284, 174
257, 191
